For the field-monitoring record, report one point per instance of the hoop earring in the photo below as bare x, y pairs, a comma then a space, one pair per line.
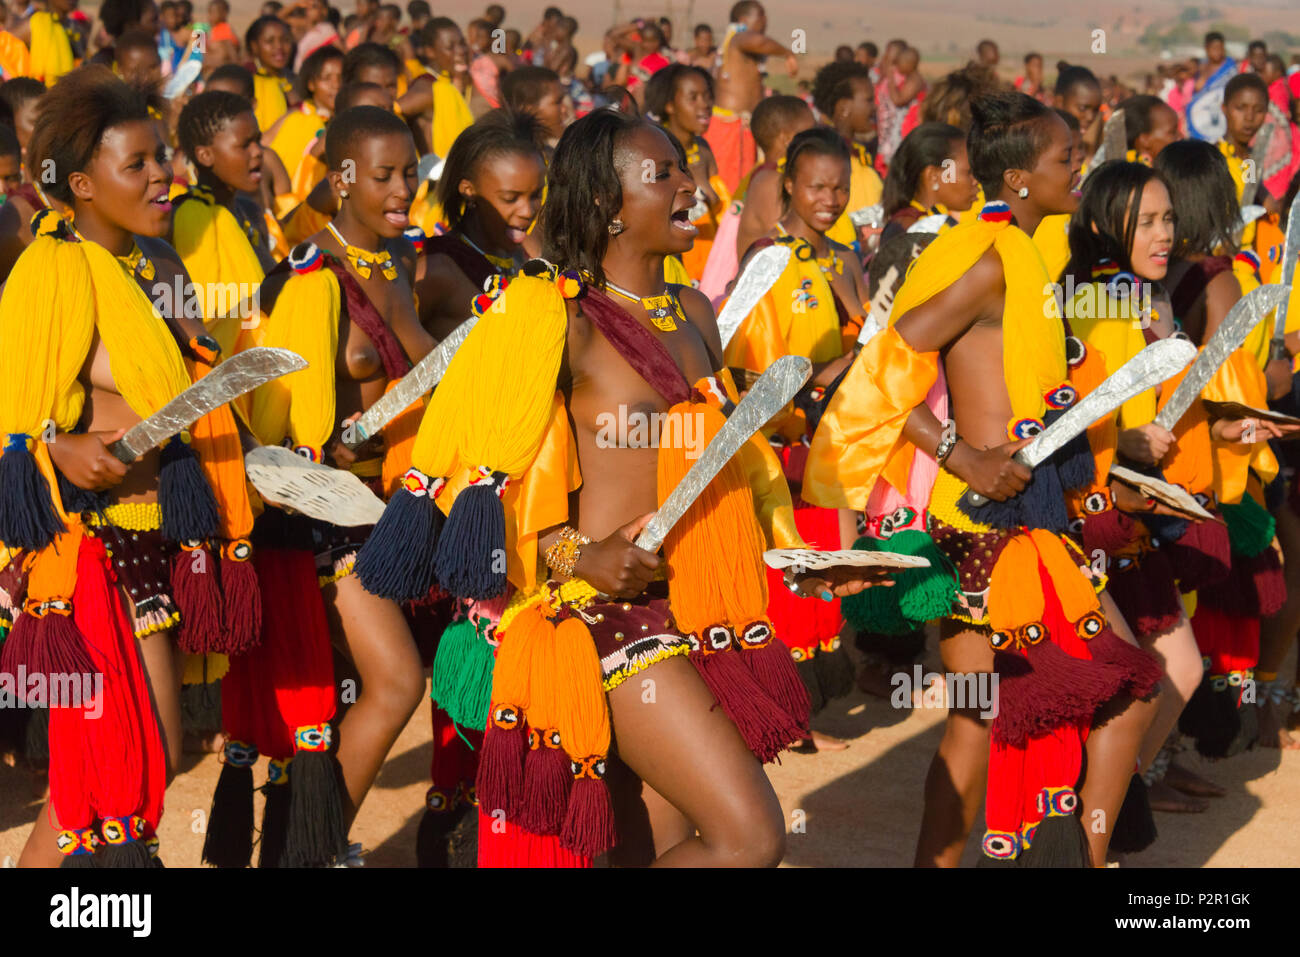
616, 227
1024, 192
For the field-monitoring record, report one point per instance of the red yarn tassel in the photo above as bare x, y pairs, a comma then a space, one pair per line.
197, 595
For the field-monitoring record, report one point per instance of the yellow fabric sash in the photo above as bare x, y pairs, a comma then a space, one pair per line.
300, 406
292, 143
51, 54
860, 441
270, 95
1106, 324
1052, 238
796, 316
218, 257
865, 189
15, 60
451, 115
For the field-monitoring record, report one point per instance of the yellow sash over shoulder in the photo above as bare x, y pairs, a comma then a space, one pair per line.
860, 438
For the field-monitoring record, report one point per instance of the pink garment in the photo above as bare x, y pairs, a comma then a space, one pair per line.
1279, 94
1279, 182
885, 499
316, 37
485, 76
721, 266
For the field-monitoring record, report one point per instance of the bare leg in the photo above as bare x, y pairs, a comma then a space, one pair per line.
685, 747
1113, 746
1278, 632
163, 666
1181, 660
374, 634
40, 849
954, 787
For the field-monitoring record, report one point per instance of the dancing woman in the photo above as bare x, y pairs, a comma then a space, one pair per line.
90, 357
977, 298
580, 645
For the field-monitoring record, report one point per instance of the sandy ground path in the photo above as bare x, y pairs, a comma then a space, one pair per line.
859, 807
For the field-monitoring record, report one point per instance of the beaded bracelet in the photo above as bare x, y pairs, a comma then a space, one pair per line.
563, 554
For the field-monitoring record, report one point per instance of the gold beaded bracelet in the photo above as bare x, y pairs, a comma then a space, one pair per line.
563, 554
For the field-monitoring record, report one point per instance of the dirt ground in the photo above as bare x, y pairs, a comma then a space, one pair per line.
855, 808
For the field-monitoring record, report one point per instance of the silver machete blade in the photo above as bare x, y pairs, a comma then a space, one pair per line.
1232, 332
240, 373
426, 373
777, 386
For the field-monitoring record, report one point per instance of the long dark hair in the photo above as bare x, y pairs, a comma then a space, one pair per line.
927, 145
1105, 223
584, 190
495, 133
1204, 197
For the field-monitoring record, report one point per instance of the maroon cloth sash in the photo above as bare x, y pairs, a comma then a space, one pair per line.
472, 263
358, 307
637, 345
1190, 289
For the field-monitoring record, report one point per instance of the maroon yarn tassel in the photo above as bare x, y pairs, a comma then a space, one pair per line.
241, 611
1147, 594
47, 646
1047, 687
766, 727
1110, 532
1139, 670
548, 779
775, 672
1255, 587
1202, 556
589, 823
198, 597
500, 783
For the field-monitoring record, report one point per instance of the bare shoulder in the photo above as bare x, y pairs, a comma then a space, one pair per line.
699, 310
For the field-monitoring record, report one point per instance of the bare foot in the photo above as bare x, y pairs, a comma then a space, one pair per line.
1163, 797
1181, 779
826, 742
1272, 729
874, 679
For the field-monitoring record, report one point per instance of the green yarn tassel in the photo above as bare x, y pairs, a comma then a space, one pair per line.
919, 595
462, 674
1250, 526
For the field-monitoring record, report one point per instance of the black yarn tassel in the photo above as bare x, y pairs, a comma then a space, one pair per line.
1135, 828
471, 551
77, 499
36, 744
397, 560
189, 509
1059, 841
27, 516
834, 671
229, 839
275, 824
314, 836
128, 854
